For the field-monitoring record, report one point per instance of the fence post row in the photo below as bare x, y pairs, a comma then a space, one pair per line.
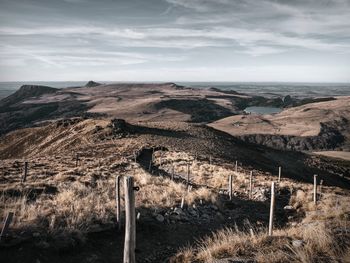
272, 208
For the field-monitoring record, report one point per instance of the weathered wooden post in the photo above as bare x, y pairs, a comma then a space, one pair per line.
188, 175
130, 222
117, 199
230, 186
24, 178
150, 165
315, 189
182, 202
172, 172
272, 208
251, 185
6, 225
279, 173
236, 167
76, 159
210, 161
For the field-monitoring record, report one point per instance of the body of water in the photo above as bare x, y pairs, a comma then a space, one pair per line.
262, 110
299, 90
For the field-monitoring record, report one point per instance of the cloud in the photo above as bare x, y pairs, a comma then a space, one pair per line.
174, 33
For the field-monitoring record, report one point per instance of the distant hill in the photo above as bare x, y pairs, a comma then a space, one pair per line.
92, 84
25, 92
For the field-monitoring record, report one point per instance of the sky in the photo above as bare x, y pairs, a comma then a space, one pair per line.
175, 40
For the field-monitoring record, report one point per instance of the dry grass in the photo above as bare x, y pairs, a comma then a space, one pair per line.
324, 232
85, 201
85, 198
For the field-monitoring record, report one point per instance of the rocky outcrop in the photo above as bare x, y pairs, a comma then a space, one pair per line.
328, 138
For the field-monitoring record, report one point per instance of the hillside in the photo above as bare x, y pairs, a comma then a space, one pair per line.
76, 141
321, 125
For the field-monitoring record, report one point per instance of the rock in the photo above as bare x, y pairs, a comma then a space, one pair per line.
214, 207
178, 211
297, 243
192, 212
160, 218
205, 217
288, 207
220, 216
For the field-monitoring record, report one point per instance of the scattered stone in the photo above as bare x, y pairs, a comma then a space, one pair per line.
160, 218
178, 211
214, 207
288, 207
297, 243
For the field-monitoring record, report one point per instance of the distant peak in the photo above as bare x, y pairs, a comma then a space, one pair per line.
91, 84
26, 91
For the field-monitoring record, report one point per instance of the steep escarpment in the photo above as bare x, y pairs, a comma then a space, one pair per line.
329, 138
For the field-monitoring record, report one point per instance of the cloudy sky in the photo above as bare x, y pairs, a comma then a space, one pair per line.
175, 40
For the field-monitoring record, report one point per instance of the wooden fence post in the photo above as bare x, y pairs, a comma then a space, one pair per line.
24, 178
130, 222
279, 173
315, 189
236, 167
210, 161
272, 208
188, 175
150, 165
182, 202
251, 185
172, 172
321, 183
117, 199
76, 159
230, 186
6, 225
